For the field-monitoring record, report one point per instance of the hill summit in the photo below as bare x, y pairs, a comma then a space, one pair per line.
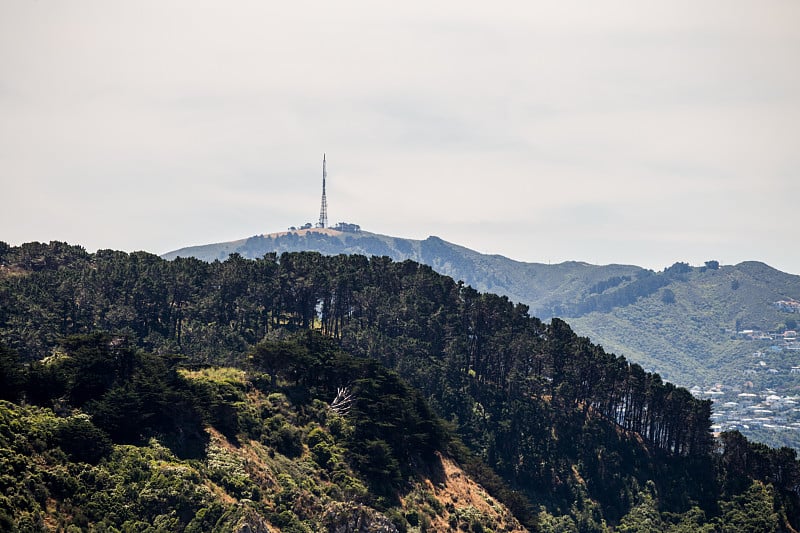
542, 287
316, 393
722, 330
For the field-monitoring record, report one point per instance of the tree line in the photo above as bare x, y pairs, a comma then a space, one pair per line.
530, 399
217, 309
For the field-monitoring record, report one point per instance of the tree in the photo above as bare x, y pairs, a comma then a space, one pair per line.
667, 296
644, 517
282, 358
96, 362
82, 440
752, 511
12, 377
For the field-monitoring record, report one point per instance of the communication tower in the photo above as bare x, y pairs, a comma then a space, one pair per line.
323, 210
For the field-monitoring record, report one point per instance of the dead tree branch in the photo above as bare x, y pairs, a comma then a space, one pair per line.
343, 402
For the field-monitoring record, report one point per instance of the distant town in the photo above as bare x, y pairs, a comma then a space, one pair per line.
772, 409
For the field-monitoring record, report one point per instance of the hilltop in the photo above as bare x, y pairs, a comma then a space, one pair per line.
300, 392
540, 286
683, 322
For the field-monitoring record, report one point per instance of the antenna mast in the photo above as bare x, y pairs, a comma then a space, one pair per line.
323, 210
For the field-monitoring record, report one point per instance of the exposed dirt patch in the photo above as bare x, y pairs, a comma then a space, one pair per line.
461, 501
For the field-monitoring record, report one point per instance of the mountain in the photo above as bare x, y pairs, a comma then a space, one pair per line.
542, 287
340, 393
683, 322
691, 326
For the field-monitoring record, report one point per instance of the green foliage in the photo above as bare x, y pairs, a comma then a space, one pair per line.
221, 392
285, 439
643, 517
83, 491
286, 357
667, 296
12, 377
81, 440
750, 512
568, 425
206, 519
46, 381
389, 424
692, 521
227, 470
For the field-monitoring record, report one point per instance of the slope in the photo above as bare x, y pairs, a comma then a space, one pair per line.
541, 287
238, 454
687, 330
689, 339
583, 435
681, 322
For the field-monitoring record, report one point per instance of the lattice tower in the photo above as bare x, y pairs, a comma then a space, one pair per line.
323, 210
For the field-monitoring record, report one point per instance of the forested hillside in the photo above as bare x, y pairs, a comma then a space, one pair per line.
113, 357
682, 322
685, 320
543, 287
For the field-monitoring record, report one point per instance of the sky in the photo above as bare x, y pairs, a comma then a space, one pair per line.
627, 131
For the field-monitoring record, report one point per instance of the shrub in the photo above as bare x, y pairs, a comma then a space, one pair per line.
287, 440
82, 441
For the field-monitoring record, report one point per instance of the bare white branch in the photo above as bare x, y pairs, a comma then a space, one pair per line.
343, 402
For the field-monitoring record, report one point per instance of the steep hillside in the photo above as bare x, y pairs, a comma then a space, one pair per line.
720, 332
687, 329
417, 368
541, 287
238, 455
681, 322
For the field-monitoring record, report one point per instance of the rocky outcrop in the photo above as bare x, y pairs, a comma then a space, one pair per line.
355, 518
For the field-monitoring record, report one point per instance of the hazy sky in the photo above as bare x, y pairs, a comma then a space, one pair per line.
641, 132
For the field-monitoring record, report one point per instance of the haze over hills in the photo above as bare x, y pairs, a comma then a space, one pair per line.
704, 327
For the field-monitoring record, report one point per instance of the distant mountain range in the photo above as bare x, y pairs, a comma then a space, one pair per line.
682, 322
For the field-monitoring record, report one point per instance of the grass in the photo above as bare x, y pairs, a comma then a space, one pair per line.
233, 376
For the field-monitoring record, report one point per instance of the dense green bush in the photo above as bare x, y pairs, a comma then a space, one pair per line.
81, 440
